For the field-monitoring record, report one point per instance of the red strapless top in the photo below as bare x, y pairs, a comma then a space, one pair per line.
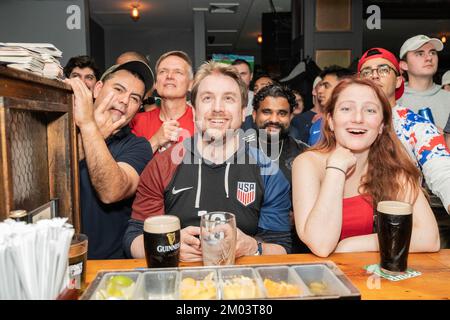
357, 217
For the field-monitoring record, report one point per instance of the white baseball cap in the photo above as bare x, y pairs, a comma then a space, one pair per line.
446, 78
316, 81
416, 42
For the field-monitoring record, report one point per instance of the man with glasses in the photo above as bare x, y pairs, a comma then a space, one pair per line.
421, 138
420, 61
111, 157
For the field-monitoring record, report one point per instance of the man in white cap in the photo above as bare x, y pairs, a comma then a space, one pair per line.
419, 59
445, 82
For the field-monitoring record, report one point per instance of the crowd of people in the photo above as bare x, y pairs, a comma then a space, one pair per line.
298, 178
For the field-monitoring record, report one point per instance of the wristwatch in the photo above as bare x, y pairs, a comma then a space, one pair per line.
259, 251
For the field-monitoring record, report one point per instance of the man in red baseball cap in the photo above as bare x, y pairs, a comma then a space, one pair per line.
421, 138
386, 66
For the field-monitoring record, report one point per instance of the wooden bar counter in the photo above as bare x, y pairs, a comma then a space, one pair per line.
432, 284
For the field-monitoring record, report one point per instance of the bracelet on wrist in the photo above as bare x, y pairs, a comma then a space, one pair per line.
336, 168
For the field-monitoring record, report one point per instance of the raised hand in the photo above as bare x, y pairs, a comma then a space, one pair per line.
342, 158
168, 132
83, 105
104, 119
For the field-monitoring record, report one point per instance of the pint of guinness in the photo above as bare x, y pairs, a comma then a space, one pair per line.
394, 235
162, 241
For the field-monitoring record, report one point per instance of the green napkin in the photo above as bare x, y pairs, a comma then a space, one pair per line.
375, 268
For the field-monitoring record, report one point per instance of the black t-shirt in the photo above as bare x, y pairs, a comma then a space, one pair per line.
105, 224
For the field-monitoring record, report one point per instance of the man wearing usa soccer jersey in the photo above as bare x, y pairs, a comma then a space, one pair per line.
215, 170
421, 138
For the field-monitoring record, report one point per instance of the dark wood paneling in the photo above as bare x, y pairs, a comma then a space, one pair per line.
38, 158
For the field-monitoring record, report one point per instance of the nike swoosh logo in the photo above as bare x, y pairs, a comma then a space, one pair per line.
174, 191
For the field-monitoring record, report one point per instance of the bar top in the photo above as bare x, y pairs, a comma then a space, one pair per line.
432, 284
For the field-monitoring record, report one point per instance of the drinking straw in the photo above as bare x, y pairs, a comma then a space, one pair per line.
34, 258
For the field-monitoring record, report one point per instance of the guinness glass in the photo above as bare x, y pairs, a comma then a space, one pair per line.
394, 235
162, 241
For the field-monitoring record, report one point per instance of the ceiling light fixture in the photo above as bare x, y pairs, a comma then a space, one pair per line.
135, 13
259, 39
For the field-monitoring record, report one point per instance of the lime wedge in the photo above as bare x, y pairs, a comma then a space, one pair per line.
121, 281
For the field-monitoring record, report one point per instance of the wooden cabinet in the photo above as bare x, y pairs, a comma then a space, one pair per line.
38, 154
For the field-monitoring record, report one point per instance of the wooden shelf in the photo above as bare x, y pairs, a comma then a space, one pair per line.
38, 158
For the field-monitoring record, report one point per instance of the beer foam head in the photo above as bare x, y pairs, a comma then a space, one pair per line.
162, 224
394, 207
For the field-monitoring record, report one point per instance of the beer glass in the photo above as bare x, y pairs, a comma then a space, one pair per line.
162, 241
394, 235
218, 238
77, 262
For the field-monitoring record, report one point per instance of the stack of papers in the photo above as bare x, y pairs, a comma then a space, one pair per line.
38, 58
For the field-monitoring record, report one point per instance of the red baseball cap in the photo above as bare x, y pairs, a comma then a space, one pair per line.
385, 54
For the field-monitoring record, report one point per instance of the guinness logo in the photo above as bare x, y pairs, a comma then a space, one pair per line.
171, 238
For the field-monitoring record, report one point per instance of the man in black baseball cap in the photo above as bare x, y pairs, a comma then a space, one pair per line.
137, 67
111, 157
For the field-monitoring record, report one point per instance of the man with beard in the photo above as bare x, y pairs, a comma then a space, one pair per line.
272, 114
210, 172
111, 157
273, 111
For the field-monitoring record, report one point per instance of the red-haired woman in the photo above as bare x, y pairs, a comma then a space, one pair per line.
358, 162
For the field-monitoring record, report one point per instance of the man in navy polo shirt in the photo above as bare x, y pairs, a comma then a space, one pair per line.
111, 157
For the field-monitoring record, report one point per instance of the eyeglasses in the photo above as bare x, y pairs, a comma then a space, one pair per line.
382, 70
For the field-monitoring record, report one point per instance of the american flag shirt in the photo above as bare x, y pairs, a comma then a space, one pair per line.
420, 137
427, 148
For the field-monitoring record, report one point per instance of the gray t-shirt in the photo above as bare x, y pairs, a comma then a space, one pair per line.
435, 98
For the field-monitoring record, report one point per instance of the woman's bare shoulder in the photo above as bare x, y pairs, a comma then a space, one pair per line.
312, 159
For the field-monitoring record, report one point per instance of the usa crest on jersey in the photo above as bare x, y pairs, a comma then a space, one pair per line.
246, 192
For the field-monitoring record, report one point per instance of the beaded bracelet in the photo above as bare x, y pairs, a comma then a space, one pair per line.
330, 167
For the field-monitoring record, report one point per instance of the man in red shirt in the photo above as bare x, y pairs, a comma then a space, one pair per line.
174, 121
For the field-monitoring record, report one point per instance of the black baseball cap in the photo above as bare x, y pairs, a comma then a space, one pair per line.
139, 67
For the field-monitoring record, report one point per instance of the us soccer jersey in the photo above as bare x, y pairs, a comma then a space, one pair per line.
180, 182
